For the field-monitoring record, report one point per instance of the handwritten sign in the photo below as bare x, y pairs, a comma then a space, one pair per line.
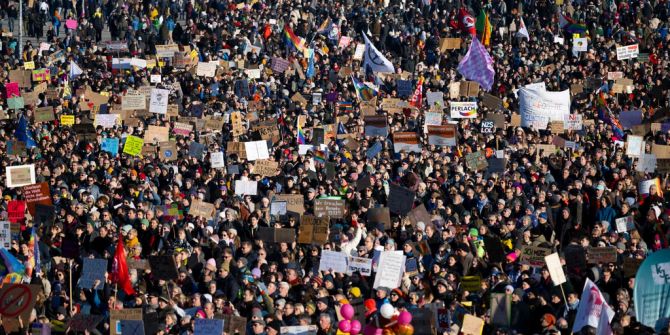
333, 208
534, 256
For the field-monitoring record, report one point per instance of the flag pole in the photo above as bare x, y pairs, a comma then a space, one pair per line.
70, 269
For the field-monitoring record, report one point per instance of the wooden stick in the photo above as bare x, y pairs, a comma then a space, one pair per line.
71, 304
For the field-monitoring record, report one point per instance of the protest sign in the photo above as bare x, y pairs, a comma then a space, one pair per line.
168, 151
5, 235
206, 69
468, 89
553, 262
246, 187
362, 265
627, 52
380, 215
266, 168
400, 200
433, 119
37, 194
534, 256
491, 102
233, 324
208, 327
44, 215
404, 87
443, 135
471, 283
299, 330
472, 325
625, 224
133, 102
94, 269
645, 185
449, 43
419, 214
476, 161
647, 163
44, 114
16, 210
132, 327
202, 209
216, 160
163, 267
125, 314
333, 261
20, 175
390, 269
573, 122
435, 100
630, 266
294, 202
158, 102
629, 119
84, 322
16, 148
634, 145
407, 141
133, 145
463, 109
278, 208
539, 107
155, 134
313, 229
501, 309
601, 255
256, 150
376, 125
333, 208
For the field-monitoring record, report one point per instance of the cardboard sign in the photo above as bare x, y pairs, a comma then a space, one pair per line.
37, 194
266, 168
294, 202
18, 301
157, 134
400, 200
94, 269
491, 101
20, 175
476, 161
163, 267
276, 235
383, 215
602, 255
376, 126
333, 208
471, 283
630, 266
158, 102
534, 256
202, 209
44, 114
469, 89
557, 127
141, 264
21, 77
419, 214
133, 102
449, 43
472, 325
313, 230
16, 148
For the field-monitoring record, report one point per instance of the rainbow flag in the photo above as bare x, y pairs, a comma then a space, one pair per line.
320, 156
294, 41
567, 23
605, 114
347, 106
363, 91
11, 268
301, 134
483, 27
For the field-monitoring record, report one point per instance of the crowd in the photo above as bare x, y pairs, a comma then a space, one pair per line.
277, 118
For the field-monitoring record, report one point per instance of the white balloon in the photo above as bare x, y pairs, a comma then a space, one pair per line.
387, 311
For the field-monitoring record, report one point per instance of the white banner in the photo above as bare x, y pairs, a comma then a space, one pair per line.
390, 269
463, 110
333, 261
538, 107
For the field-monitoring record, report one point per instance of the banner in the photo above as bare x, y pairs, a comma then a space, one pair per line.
593, 310
442, 135
652, 290
538, 107
627, 52
20, 175
407, 141
463, 110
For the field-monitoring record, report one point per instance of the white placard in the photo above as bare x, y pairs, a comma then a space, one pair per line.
105, 120
206, 69
159, 101
333, 261
538, 107
360, 49
216, 159
623, 224
580, 44
647, 163
559, 40
627, 52
433, 119
5, 235
361, 264
246, 187
634, 145
138, 62
155, 78
20, 175
555, 269
573, 122
304, 148
257, 150
435, 98
253, 73
390, 269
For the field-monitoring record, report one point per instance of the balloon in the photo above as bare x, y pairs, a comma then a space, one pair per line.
345, 326
355, 327
386, 311
405, 318
370, 330
388, 331
347, 311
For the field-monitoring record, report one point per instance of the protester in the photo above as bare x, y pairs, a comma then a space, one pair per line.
335, 167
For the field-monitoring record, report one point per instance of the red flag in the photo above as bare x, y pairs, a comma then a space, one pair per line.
466, 22
120, 273
417, 98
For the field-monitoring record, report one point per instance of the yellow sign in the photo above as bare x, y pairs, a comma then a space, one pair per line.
67, 120
133, 145
29, 65
576, 35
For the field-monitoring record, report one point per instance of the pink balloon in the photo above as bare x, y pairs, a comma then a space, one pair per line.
405, 318
355, 327
347, 311
344, 326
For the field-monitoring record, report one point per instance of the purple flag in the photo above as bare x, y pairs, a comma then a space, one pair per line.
477, 65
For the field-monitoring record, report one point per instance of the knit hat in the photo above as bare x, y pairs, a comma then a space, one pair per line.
211, 265
318, 280
355, 292
550, 318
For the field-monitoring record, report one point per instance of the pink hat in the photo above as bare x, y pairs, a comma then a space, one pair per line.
511, 257
211, 265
